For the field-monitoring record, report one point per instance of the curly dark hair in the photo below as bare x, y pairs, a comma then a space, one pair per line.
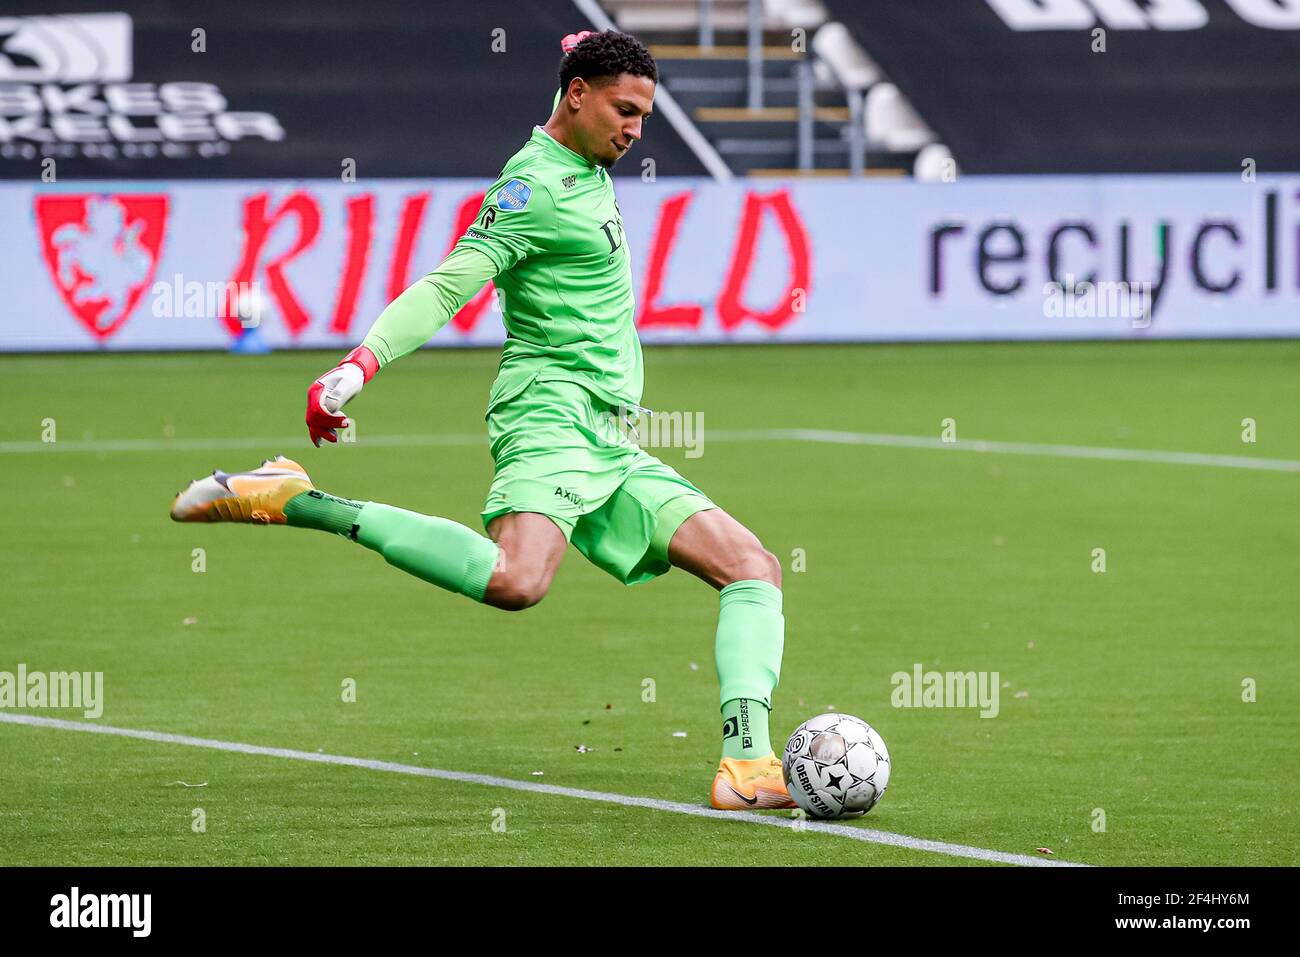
603, 56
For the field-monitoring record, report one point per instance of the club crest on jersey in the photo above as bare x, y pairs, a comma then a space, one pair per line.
514, 195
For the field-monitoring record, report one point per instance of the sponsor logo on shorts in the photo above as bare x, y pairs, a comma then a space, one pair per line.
569, 495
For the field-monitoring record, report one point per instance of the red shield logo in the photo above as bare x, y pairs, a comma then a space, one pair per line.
102, 251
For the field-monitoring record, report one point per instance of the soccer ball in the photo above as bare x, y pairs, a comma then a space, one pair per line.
836, 765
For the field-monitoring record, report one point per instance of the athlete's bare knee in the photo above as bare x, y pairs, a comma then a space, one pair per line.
515, 592
762, 566
513, 600
755, 564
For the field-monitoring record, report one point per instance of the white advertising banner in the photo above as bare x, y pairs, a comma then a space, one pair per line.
196, 265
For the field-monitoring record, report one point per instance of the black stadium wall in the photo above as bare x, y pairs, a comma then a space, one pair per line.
1021, 86
405, 88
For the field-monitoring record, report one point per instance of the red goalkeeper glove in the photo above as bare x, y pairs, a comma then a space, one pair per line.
328, 394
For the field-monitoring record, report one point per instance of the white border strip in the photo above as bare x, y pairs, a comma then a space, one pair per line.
723, 435
675, 115
654, 804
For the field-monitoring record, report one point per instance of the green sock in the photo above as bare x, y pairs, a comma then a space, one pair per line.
750, 640
327, 513
437, 550
744, 729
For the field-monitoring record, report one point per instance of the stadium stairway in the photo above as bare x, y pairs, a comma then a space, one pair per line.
711, 84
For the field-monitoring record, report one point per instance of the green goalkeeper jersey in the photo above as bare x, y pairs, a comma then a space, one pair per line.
552, 227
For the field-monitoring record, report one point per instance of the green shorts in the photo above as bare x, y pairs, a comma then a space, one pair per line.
560, 451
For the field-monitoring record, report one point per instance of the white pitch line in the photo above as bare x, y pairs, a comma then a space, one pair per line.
217, 444
654, 804
987, 446
1009, 448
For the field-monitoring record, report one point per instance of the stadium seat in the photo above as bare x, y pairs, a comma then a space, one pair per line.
932, 162
891, 121
638, 16
834, 45
804, 14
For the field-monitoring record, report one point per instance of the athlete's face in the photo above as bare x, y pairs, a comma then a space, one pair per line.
611, 116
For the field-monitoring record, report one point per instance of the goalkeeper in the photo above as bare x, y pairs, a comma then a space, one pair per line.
550, 235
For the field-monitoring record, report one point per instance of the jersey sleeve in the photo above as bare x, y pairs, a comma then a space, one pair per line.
427, 305
517, 220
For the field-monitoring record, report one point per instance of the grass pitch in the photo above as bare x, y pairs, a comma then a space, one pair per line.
1123, 692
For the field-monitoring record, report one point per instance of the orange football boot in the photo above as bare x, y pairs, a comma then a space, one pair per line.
752, 785
257, 497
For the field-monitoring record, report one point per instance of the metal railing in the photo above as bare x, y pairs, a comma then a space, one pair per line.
805, 84
755, 54
807, 107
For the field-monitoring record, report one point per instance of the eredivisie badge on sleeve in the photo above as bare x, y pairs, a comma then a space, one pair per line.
514, 195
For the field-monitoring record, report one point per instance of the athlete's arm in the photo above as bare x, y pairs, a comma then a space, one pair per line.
517, 220
417, 314
408, 322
